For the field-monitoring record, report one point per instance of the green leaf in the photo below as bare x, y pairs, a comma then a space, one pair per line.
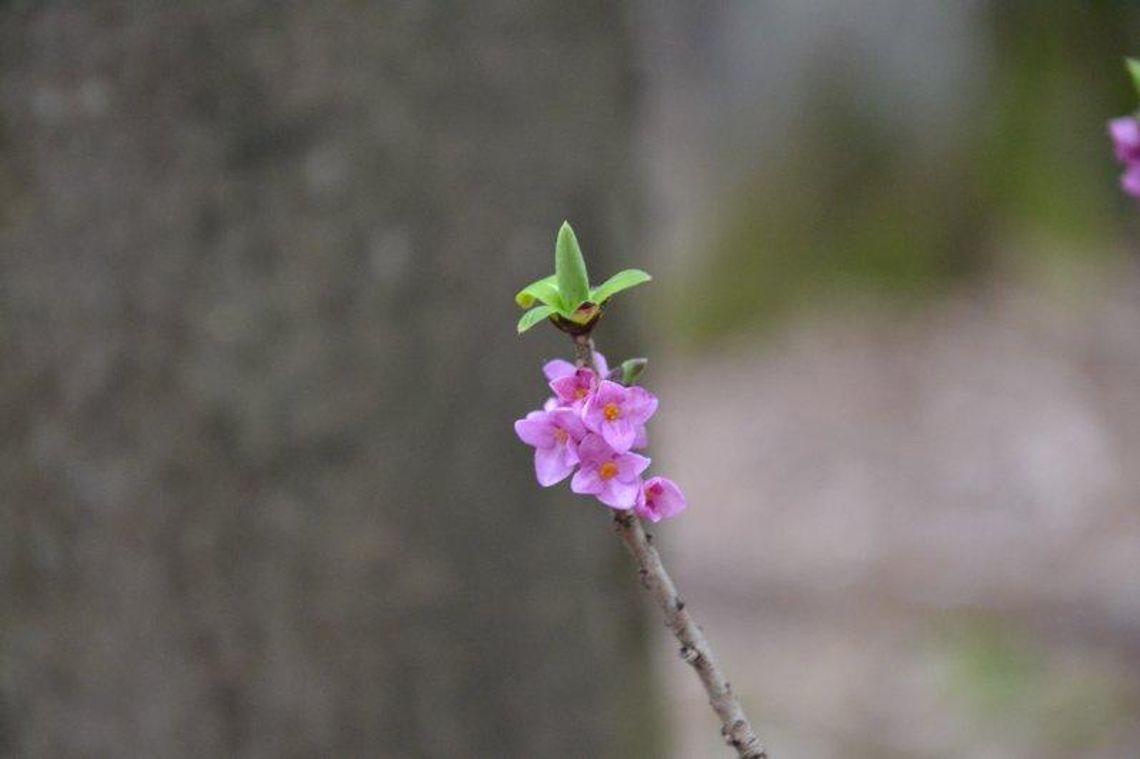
623, 280
570, 271
543, 290
1134, 71
533, 317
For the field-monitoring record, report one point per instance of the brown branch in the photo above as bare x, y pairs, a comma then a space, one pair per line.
695, 649
583, 351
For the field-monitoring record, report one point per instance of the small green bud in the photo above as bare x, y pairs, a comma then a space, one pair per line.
631, 369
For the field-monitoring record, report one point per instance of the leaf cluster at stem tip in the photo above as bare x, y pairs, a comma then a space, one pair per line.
567, 293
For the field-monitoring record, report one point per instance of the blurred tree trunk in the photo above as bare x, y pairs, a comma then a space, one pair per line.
260, 492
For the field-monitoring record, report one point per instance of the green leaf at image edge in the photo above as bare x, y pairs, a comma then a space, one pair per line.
533, 317
543, 290
570, 270
623, 280
1133, 66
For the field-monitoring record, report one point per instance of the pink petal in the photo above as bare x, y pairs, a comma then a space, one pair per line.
610, 392
564, 387
620, 434
641, 405
570, 421
593, 413
587, 482
557, 368
645, 512
1125, 133
593, 450
600, 365
570, 448
551, 465
660, 499
619, 495
1130, 182
631, 465
536, 431
640, 508
569, 389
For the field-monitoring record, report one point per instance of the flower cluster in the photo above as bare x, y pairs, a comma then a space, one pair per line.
1125, 133
595, 425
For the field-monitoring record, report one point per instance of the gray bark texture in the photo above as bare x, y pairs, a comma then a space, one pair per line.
259, 491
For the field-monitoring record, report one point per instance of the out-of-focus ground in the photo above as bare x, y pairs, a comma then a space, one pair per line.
919, 538
901, 375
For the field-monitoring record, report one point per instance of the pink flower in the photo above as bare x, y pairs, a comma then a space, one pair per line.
619, 414
614, 478
1125, 134
592, 425
555, 435
573, 389
1130, 181
660, 498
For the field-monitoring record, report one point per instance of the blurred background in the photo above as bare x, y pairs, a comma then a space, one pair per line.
259, 491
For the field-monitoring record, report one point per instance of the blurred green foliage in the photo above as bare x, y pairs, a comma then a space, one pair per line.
1008, 682
853, 210
869, 222
997, 671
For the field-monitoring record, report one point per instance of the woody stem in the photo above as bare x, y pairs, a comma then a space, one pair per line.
695, 648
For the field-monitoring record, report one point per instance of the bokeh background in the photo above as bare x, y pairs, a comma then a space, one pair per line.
259, 493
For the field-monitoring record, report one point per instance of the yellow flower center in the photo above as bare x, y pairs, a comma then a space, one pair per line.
611, 412
608, 470
580, 393
561, 435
